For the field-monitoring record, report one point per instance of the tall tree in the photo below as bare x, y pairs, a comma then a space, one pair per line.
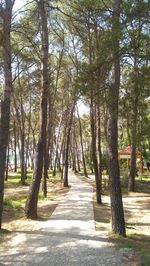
67, 141
118, 223
82, 149
6, 17
32, 200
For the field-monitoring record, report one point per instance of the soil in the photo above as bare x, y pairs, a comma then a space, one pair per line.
137, 213
12, 222
136, 206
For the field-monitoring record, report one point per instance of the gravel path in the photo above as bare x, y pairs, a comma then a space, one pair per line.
68, 238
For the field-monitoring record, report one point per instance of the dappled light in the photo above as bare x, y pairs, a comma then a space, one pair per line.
74, 133
68, 237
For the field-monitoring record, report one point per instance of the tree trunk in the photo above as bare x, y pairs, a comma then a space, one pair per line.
27, 158
93, 117
21, 124
99, 150
45, 172
7, 163
15, 148
77, 156
57, 147
63, 155
32, 200
131, 184
22, 137
5, 101
48, 144
118, 223
82, 149
65, 177
67, 146
94, 151
55, 161
33, 149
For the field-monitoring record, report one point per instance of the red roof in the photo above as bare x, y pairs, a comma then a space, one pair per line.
127, 150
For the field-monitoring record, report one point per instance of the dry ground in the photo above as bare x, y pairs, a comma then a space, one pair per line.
14, 218
137, 216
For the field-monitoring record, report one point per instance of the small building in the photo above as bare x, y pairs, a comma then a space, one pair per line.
126, 154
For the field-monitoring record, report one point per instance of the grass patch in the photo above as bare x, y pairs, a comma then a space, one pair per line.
140, 244
13, 180
19, 214
57, 176
145, 257
13, 208
142, 186
10, 203
22, 197
144, 177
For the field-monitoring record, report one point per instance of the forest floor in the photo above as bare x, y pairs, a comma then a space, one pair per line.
137, 213
137, 217
14, 202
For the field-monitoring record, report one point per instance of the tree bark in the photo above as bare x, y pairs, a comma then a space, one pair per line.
32, 200
94, 151
118, 223
67, 146
77, 156
5, 102
15, 147
57, 147
20, 118
48, 146
99, 150
82, 149
131, 184
93, 116
7, 163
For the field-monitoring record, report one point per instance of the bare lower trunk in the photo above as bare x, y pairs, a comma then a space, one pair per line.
48, 146
15, 147
5, 101
66, 163
99, 150
45, 173
131, 184
94, 152
7, 164
23, 159
31, 203
65, 177
82, 149
118, 223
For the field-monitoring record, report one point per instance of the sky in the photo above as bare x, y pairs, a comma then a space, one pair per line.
18, 4
82, 108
